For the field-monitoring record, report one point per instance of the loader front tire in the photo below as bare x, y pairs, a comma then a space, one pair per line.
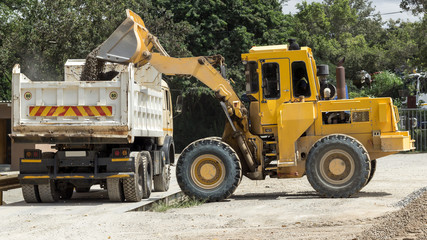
338, 166
209, 170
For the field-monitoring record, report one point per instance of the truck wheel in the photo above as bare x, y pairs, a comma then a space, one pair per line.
208, 169
48, 193
338, 166
161, 181
136, 187
65, 191
373, 168
115, 190
31, 193
82, 189
148, 174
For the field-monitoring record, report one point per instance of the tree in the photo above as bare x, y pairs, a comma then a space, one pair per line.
229, 28
42, 35
418, 7
415, 6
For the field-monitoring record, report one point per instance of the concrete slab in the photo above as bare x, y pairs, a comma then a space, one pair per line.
95, 201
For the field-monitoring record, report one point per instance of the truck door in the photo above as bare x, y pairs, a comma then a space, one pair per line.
275, 89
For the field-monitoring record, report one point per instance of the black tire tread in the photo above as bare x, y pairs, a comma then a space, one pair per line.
373, 169
30, 193
67, 193
115, 190
180, 169
337, 139
47, 192
147, 174
130, 185
161, 181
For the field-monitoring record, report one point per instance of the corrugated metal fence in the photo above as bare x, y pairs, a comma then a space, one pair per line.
415, 121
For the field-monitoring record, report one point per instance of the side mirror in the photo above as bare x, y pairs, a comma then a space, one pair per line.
178, 104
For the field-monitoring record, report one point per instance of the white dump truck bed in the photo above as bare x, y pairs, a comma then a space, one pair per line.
69, 111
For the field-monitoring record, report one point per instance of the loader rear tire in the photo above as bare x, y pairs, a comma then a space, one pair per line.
338, 166
209, 170
373, 169
31, 193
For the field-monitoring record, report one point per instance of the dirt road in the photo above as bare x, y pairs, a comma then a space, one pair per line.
270, 209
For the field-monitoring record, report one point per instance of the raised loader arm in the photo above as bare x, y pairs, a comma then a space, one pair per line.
131, 42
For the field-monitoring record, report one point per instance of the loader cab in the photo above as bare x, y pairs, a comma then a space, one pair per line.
276, 75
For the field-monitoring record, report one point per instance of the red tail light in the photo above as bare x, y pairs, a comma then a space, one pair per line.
121, 152
33, 153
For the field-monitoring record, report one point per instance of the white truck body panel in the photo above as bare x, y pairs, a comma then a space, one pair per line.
128, 106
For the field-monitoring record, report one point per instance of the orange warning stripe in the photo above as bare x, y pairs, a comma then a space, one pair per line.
59, 111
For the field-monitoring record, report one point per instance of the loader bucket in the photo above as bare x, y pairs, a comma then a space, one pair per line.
127, 43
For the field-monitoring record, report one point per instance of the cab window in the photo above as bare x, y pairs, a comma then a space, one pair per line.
300, 83
252, 85
271, 80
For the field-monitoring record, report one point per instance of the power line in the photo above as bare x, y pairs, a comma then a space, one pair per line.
391, 13
386, 13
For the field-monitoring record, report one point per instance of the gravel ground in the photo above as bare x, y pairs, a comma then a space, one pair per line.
407, 223
392, 206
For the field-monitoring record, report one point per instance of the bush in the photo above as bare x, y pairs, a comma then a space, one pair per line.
386, 84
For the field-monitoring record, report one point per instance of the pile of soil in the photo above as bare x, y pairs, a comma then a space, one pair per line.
93, 67
408, 223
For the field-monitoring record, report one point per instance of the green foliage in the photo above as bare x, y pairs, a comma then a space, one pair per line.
5, 86
229, 28
42, 35
415, 6
386, 84
351, 28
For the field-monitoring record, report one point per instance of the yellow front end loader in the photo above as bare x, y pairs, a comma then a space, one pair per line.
292, 128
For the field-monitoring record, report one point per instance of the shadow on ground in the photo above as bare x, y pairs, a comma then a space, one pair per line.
299, 195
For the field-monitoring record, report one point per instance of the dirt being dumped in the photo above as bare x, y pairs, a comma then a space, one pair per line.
408, 223
93, 67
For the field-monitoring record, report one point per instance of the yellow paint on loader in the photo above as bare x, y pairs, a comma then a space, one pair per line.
290, 127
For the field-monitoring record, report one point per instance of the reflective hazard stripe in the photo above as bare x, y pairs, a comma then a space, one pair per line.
59, 111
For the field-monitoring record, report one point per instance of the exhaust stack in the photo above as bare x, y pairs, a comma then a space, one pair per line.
340, 74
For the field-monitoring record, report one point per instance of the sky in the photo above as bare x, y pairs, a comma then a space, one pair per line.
382, 6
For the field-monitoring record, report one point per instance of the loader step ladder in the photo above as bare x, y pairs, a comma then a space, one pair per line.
272, 166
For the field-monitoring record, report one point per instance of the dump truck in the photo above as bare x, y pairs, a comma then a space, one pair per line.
115, 131
289, 126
